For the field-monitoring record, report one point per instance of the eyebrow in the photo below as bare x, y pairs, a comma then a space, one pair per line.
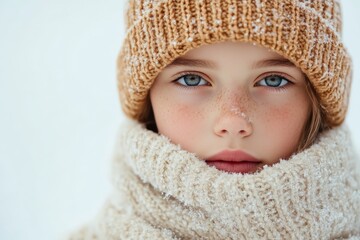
281, 62
181, 61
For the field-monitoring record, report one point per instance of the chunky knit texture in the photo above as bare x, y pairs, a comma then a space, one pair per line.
164, 192
306, 32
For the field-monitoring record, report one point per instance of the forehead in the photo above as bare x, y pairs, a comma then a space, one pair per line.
229, 48
231, 54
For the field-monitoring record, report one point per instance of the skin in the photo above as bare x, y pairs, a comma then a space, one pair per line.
233, 107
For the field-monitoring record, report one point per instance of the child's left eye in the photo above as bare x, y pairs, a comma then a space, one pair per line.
191, 80
273, 81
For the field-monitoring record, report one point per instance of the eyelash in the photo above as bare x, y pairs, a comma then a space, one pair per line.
278, 88
190, 73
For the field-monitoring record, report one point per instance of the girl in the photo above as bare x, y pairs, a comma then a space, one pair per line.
237, 130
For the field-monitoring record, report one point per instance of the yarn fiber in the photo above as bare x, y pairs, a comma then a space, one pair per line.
164, 192
308, 33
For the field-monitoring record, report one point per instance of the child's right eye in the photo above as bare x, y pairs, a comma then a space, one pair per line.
191, 80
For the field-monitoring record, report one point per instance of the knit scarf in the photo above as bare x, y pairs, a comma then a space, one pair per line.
164, 192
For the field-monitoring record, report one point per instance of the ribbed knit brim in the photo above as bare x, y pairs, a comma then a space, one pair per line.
306, 32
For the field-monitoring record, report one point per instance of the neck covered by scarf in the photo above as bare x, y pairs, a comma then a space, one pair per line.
164, 192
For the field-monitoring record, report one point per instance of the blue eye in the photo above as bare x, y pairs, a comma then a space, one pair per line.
191, 80
273, 81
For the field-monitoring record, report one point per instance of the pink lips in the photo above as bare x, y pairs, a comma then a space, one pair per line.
234, 162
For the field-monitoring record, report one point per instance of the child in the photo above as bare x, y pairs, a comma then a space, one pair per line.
237, 130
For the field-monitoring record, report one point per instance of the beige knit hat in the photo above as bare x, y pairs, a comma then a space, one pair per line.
307, 32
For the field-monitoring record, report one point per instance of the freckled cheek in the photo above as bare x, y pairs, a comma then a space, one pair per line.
284, 113
282, 127
180, 118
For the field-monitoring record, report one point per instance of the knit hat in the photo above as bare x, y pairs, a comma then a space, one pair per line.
307, 32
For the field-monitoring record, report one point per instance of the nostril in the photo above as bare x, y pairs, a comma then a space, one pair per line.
223, 131
232, 125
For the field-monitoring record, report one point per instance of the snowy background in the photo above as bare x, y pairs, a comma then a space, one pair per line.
59, 110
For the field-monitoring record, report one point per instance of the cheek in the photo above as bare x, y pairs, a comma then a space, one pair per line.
282, 126
178, 119
285, 119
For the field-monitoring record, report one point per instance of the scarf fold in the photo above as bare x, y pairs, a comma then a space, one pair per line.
164, 192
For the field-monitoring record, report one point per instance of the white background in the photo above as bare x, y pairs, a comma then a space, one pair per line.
59, 110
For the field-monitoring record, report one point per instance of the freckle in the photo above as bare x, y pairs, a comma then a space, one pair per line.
277, 113
199, 114
188, 111
216, 104
242, 100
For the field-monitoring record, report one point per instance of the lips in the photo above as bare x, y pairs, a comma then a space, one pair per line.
234, 162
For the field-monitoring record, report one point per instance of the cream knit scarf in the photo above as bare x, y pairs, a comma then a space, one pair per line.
163, 192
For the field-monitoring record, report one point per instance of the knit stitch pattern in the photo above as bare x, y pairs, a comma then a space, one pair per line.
306, 32
164, 192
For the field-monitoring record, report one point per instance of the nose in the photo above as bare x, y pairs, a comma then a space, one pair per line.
233, 124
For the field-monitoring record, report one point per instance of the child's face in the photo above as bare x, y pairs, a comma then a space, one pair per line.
232, 96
